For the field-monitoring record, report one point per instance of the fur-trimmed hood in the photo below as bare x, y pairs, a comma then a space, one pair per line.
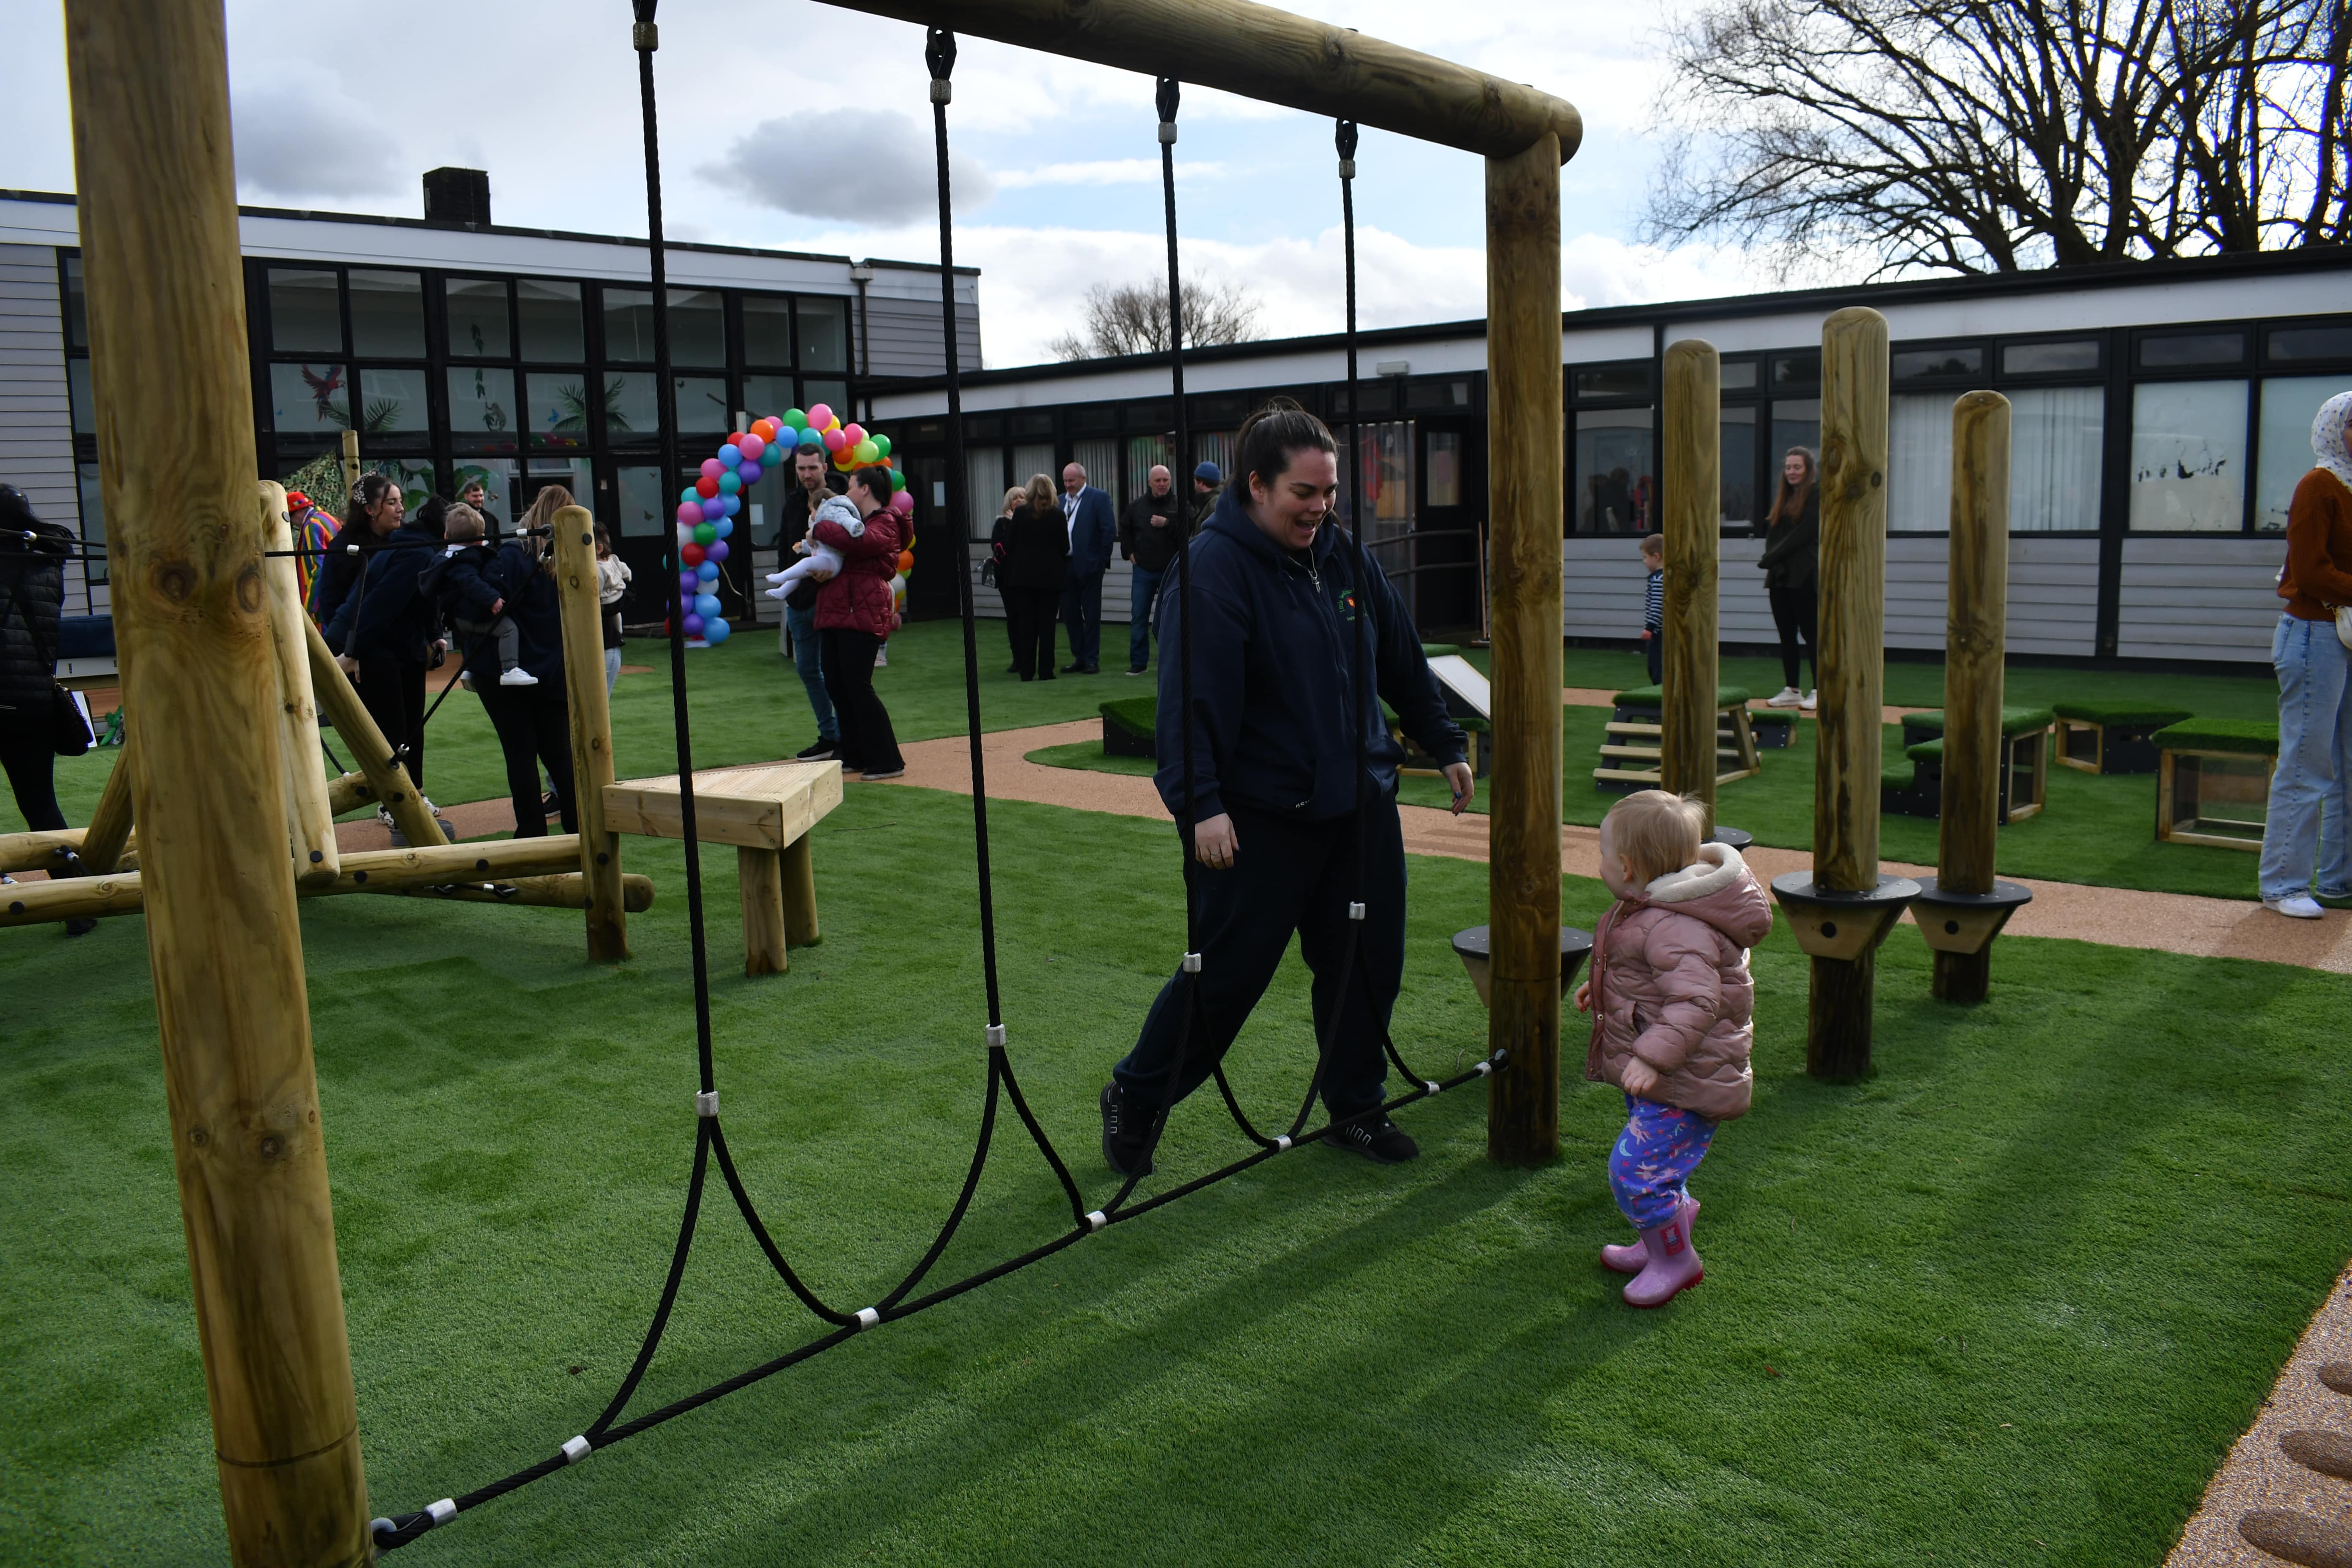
1718, 889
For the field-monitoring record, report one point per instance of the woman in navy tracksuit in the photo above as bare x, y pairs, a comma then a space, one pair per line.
1276, 712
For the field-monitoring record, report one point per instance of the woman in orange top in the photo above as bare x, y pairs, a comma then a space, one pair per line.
2313, 787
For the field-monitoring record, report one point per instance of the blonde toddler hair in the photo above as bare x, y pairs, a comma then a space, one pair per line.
1653, 544
461, 524
1659, 833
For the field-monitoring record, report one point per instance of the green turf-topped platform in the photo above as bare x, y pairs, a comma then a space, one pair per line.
2014, 722
1130, 725
2153, 715
2236, 737
1439, 649
1655, 697
1914, 786
2112, 737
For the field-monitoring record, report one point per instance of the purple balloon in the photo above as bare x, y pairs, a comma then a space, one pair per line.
714, 509
715, 551
694, 625
689, 584
749, 473
688, 515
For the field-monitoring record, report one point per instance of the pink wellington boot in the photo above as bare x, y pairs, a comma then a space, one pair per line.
1631, 1258
1673, 1264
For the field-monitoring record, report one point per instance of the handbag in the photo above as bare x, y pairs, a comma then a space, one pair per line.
70, 731
2344, 625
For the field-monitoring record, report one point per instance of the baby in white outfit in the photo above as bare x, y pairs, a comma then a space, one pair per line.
818, 561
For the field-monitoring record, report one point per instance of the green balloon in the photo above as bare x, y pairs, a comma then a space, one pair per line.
881, 443
704, 532
795, 418
897, 481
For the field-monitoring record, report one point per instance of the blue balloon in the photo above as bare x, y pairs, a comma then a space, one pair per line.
724, 526
812, 438
708, 571
705, 605
716, 631
693, 625
734, 505
729, 455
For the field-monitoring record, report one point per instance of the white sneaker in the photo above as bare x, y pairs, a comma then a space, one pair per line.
465, 678
518, 676
882, 658
2294, 906
1811, 702
1786, 697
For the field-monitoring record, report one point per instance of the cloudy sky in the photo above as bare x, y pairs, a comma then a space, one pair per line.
796, 125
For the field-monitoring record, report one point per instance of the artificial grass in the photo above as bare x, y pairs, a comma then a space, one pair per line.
2009, 1300
2250, 736
2015, 719
1654, 696
2120, 712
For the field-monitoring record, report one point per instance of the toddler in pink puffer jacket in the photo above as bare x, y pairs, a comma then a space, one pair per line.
1673, 1020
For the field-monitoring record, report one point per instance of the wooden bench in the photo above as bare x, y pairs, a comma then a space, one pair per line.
1915, 787
2213, 781
766, 811
1631, 749
2111, 737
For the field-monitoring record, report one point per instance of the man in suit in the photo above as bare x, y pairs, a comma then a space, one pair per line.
1093, 527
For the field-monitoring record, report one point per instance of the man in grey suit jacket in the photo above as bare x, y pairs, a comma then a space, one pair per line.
1093, 528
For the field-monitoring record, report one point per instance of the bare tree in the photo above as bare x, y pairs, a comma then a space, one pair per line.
1997, 135
1132, 318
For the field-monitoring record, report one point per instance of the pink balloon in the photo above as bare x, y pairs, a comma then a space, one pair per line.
903, 503
820, 416
834, 440
689, 513
854, 431
712, 468
751, 446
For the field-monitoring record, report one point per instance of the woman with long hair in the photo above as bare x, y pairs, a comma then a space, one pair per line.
2311, 792
1791, 567
387, 632
533, 722
1034, 571
375, 500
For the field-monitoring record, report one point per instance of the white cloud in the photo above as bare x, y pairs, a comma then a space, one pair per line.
299, 136
1105, 171
887, 173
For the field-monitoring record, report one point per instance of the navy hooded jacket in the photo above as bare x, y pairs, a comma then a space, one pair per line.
1274, 644
537, 611
386, 613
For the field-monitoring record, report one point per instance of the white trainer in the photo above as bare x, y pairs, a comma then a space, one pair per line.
2294, 906
1786, 697
518, 676
1812, 702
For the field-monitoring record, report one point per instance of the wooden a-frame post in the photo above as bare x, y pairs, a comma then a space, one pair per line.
149, 85
1525, 136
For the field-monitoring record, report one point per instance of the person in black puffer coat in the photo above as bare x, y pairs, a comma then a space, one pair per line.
32, 598
533, 722
388, 631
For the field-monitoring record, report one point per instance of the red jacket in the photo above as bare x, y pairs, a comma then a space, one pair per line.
2318, 548
858, 600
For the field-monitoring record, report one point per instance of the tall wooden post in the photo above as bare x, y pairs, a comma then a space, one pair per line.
317, 861
110, 821
350, 465
592, 729
149, 85
1524, 496
1693, 529
1852, 672
1976, 633
387, 780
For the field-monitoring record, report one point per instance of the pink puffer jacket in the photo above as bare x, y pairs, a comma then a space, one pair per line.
1670, 984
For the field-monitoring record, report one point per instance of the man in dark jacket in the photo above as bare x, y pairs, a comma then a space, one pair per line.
807, 493
1087, 511
1153, 528
1297, 637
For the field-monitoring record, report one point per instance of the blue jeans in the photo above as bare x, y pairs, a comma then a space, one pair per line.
2308, 793
1142, 616
1082, 615
810, 662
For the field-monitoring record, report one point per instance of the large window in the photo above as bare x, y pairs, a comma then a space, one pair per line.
2055, 445
643, 513
387, 313
306, 397
306, 314
2188, 456
549, 311
478, 317
1737, 456
2290, 404
824, 340
482, 407
1613, 482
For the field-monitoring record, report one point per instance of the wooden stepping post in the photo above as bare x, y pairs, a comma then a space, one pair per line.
1688, 764
592, 729
311, 822
148, 82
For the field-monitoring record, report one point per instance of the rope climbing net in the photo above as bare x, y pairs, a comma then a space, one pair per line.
1001, 1085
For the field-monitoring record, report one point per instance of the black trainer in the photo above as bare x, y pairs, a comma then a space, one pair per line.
1377, 1139
1125, 1129
823, 751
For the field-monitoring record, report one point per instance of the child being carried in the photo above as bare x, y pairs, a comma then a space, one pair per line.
469, 592
818, 562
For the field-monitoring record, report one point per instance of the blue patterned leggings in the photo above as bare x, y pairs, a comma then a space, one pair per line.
1661, 1146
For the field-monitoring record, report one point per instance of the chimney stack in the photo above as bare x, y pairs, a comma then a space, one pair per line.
458, 195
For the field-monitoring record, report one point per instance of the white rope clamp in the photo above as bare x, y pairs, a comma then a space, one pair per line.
1192, 964
442, 1513
381, 1527
942, 91
1168, 133
576, 1450
1095, 1221
1433, 1088
997, 1035
1483, 1069
867, 1317
1355, 912
706, 1102
1282, 1143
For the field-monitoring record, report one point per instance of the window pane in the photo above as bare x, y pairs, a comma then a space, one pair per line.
2288, 408
767, 328
1443, 395
698, 328
495, 476
558, 406
2189, 455
1737, 436
477, 318
702, 405
1143, 454
629, 326
629, 405
482, 403
306, 397
1919, 463
78, 391
304, 313
391, 402
1208, 447
1913, 363
1798, 369
764, 504
550, 313
1037, 458
93, 522
983, 470
2286, 344
2057, 438
1613, 484
1098, 458
1796, 422
1442, 468
824, 338
833, 394
768, 396
1738, 375
2193, 348
1613, 381
643, 515
77, 314
2049, 359
388, 314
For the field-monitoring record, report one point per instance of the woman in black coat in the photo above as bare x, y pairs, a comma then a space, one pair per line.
1032, 576
1790, 563
533, 722
387, 631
